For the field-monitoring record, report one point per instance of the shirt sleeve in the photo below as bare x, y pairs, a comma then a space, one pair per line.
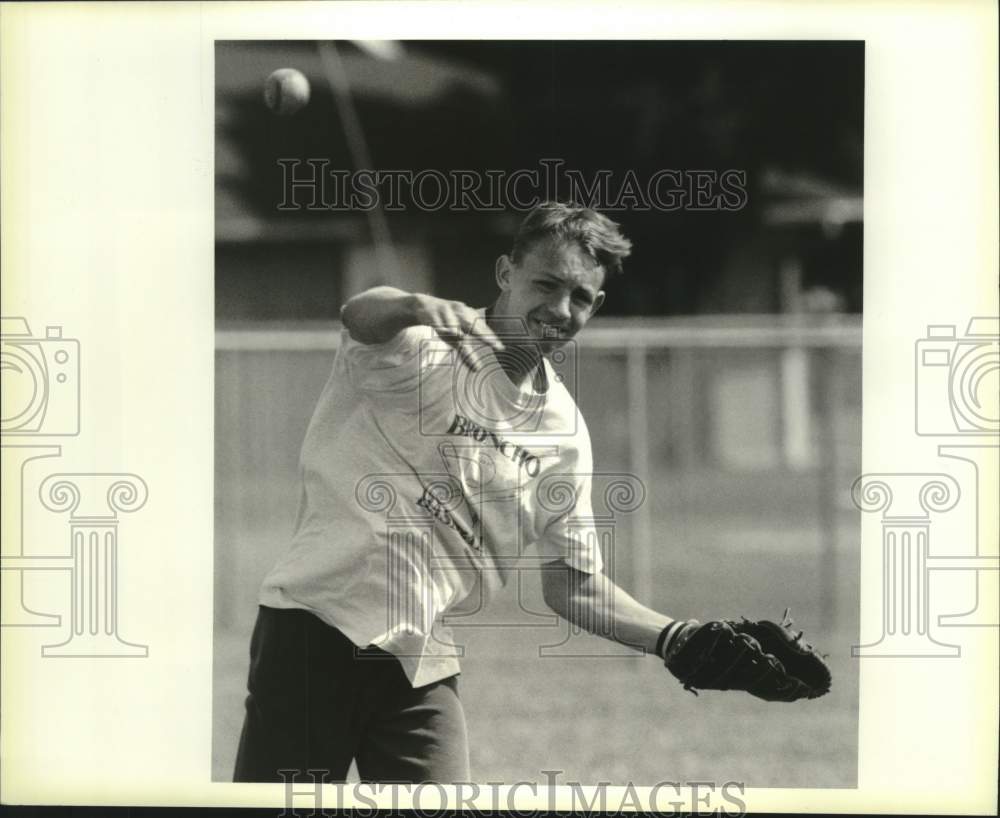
392, 367
572, 536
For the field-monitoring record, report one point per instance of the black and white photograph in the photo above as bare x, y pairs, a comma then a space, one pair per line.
538, 382
421, 405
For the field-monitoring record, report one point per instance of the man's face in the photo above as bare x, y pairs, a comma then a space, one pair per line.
555, 288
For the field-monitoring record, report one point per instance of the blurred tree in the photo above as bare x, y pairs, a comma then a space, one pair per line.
614, 106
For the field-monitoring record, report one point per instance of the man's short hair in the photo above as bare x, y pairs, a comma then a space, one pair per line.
600, 237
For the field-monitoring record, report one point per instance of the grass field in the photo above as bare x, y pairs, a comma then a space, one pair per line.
623, 718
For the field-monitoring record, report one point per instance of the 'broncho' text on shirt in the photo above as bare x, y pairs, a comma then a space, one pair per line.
462, 426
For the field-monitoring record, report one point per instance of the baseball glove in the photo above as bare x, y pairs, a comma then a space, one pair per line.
766, 659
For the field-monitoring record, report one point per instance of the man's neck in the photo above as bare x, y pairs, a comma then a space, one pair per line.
519, 364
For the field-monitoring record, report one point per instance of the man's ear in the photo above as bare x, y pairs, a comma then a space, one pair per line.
598, 300
504, 268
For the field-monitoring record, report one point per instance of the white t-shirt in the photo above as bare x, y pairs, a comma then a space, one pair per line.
424, 484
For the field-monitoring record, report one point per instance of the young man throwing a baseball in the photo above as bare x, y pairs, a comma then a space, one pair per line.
428, 469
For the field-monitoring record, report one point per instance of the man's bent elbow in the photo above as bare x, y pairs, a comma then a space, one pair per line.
375, 315
349, 315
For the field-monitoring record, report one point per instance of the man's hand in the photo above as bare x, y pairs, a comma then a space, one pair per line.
454, 321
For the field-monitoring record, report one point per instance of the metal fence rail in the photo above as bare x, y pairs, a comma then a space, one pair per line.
694, 394
838, 331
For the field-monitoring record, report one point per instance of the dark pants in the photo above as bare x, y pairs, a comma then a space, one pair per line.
317, 702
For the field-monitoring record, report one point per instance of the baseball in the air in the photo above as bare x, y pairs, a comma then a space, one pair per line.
286, 91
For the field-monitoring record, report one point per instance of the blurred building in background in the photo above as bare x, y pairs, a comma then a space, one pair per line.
788, 115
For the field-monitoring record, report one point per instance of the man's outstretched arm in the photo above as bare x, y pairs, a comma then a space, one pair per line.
379, 314
596, 604
764, 658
